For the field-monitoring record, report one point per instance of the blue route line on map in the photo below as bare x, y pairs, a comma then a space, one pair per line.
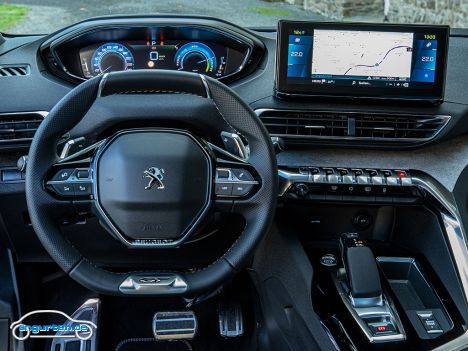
383, 59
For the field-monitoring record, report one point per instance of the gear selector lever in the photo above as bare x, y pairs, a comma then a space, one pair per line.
358, 284
361, 271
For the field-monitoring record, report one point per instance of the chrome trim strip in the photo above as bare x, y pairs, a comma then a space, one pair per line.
427, 183
250, 182
445, 119
454, 231
205, 84
458, 245
153, 284
78, 181
150, 242
102, 82
43, 114
360, 302
213, 147
458, 344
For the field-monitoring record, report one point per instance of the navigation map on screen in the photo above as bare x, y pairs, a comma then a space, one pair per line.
362, 53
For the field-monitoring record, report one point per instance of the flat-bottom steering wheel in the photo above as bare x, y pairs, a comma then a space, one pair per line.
165, 150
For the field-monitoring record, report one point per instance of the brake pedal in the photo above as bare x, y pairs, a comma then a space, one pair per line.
175, 325
230, 320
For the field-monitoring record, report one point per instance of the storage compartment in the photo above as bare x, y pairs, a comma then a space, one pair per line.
416, 296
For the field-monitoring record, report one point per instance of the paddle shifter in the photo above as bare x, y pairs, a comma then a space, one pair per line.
361, 270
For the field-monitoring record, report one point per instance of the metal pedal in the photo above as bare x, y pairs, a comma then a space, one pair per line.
175, 325
230, 320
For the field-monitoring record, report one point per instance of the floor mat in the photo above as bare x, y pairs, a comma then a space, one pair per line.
150, 344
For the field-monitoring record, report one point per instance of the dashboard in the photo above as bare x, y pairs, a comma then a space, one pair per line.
333, 148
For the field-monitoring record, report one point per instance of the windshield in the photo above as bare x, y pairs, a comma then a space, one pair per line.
46, 16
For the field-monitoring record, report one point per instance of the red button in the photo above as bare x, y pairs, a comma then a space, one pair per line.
381, 328
401, 174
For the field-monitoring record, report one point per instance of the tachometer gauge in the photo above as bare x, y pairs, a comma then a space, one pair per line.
196, 57
112, 57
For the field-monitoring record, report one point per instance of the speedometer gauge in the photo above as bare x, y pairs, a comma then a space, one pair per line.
112, 57
196, 57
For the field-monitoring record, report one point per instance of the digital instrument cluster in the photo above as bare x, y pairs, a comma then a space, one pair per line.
205, 46
192, 56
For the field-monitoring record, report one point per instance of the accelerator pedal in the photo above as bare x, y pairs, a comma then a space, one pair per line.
175, 325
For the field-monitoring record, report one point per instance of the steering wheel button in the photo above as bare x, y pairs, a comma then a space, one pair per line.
82, 189
241, 189
223, 173
64, 174
82, 174
65, 189
242, 175
223, 189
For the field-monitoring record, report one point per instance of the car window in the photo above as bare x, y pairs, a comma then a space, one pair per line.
46, 16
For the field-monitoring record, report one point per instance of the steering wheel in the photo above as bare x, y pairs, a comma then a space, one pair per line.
165, 150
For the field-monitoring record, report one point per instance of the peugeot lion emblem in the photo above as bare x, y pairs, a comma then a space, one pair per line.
155, 175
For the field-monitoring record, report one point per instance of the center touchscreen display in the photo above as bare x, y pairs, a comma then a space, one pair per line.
361, 60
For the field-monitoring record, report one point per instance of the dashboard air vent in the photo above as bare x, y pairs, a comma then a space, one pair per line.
14, 70
18, 128
302, 127
391, 127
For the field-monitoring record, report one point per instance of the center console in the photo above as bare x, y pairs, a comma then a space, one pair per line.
385, 283
358, 285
